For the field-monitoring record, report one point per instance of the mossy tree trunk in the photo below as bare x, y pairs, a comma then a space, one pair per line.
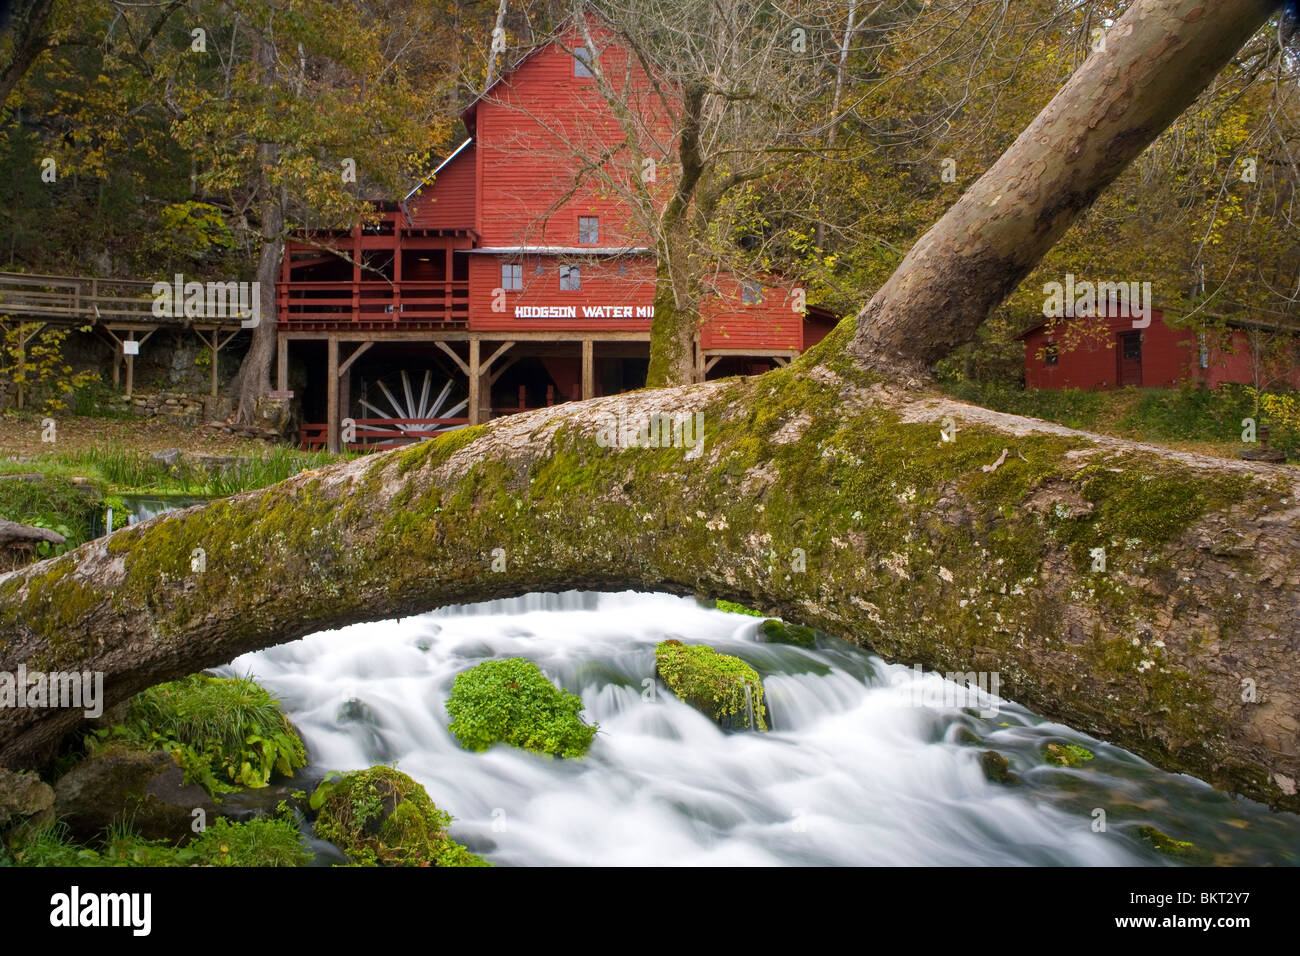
821, 494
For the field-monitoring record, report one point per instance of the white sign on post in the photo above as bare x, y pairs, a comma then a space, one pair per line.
130, 347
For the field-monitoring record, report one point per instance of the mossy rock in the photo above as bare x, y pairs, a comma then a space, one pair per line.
1163, 843
778, 632
381, 817
712, 683
997, 768
510, 701
1067, 755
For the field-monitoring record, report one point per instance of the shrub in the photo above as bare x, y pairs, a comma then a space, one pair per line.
712, 683
226, 732
381, 817
511, 701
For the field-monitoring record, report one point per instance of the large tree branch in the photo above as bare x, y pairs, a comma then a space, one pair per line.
1158, 58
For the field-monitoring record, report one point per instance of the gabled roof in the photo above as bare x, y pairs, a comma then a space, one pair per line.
425, 181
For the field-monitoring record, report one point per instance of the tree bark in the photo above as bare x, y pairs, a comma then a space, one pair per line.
1159, 56
819, 494
254, 376
676, 324
30, 38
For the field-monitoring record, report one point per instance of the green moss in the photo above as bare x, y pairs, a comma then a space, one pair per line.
511, 701
778, 632
997, 768
714, 684
1164, 843
226, 733
1067, 755
731, 607
381, 817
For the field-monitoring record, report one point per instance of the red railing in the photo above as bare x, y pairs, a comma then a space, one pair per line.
372, 302
374, 433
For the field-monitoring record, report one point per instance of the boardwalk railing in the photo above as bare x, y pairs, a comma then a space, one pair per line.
376, 433
72, 299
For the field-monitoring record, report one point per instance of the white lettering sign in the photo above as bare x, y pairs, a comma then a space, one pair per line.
587, 311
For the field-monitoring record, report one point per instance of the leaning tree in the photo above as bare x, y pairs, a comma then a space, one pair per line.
1147, 596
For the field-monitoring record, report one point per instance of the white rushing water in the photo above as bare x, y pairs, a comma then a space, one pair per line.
853, 771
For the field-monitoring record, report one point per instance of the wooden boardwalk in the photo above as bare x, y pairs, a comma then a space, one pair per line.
119, 310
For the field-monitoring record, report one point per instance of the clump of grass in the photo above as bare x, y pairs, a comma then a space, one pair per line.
226, 732
262, 842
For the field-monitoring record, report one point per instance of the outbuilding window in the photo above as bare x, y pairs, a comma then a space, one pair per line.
1051, 354
588, 230
582, 60
751, 293
570, 278
512, 277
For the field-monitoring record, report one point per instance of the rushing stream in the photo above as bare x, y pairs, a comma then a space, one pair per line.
853, 771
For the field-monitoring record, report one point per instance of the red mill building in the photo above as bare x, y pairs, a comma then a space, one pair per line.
509, 281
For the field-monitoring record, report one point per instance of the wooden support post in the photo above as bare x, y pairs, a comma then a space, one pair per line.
588, 369
282, 362
475, 384
332, 395
345, 391
130, 368
216, 349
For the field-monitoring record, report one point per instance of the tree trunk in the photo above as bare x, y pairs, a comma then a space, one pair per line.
29, 42
254, 376
1159, 56
676, 324
1140, 594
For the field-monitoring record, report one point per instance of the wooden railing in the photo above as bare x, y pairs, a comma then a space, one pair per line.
375, 433
375, 302
49, 297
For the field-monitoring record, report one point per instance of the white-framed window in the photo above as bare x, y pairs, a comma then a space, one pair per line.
588, 230
751, 293
582, 60
512, 276
1204, 351
570, 278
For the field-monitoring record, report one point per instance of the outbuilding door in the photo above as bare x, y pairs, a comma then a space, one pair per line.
1130, 359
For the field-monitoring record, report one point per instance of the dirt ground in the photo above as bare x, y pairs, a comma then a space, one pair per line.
20, 436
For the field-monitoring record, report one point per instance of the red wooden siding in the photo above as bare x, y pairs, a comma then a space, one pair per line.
527, 129
1169, 356
602, 285
447, 202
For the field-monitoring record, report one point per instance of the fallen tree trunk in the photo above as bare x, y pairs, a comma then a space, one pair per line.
818, 495
1146, 596
12, 533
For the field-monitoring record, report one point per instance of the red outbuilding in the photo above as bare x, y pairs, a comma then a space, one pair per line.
511, 278
1118, 351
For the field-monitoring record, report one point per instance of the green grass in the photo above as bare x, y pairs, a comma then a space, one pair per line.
225, 732
261, 842
55, 503
1187, 414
